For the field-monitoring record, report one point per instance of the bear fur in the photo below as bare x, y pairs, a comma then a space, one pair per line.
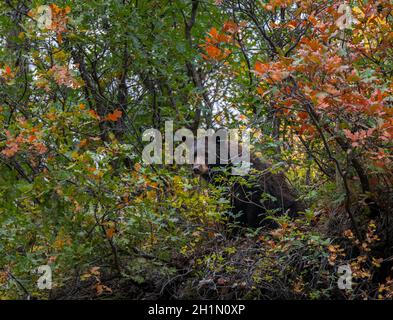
255, 195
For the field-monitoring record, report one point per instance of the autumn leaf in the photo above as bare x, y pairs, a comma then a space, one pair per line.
116, 115
110, 232
261, 91
62, 75
11, 150
101, 288
230, 26
137, 167
94, 114
303, 115
31, 138
212, 52
40, 148
261, 68
83, 143
59, 19
213, 33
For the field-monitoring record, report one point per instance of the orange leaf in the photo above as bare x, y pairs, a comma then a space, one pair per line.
261, 68
213, 52
110, 232
116, 115
83, 143
8, 70
260, 90
214, 33
32, 138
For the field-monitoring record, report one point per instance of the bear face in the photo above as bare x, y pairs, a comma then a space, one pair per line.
206, 158
212, 157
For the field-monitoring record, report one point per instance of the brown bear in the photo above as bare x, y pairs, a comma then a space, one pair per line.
254, 196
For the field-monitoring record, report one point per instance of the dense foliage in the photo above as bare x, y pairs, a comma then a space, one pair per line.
311, 81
